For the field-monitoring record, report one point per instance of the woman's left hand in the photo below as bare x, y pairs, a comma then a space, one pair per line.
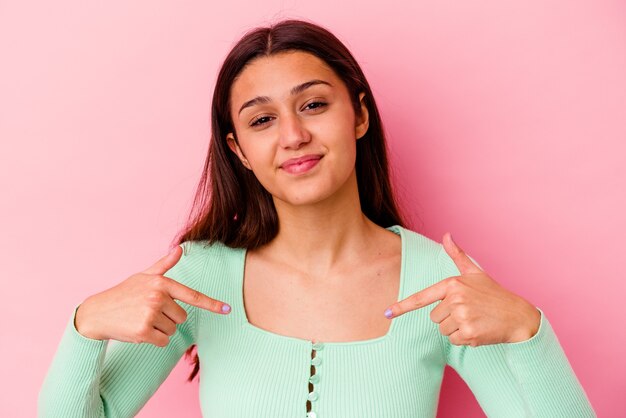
474, 310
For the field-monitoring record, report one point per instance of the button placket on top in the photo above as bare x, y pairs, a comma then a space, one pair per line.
314, 379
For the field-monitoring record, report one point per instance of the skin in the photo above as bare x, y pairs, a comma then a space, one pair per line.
141, 309
321, 224
323, 236
474, 310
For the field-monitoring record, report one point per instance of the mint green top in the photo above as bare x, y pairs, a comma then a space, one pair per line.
248, 372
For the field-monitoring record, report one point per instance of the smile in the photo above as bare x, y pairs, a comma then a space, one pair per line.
302, 167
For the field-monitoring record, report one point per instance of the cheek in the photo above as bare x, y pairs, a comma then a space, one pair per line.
342, 129
342, 142
261, 160
259, 154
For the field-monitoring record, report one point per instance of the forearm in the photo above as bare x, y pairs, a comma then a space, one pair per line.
71, 385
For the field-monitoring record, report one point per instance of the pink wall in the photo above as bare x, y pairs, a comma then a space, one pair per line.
506, 124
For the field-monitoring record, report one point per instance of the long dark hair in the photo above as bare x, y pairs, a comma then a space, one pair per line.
231, 205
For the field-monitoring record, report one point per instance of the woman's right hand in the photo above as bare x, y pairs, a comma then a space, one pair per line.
141, 309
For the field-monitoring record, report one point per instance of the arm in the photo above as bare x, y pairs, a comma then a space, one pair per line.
102, 378
531, 378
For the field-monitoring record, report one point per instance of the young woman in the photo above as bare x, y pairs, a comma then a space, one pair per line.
338, 310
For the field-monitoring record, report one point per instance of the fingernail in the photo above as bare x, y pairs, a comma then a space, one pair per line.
225, 308
388, 313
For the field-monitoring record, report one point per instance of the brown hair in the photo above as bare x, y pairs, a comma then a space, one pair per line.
231, 205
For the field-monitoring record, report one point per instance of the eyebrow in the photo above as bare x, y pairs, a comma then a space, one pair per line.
295, 90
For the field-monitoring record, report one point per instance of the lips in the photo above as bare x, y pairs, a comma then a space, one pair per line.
300, 160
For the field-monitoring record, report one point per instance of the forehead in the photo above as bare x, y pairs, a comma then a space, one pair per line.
275, 75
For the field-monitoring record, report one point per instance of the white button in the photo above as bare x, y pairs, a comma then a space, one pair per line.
311, 415
313, 396
318, 346
316, 361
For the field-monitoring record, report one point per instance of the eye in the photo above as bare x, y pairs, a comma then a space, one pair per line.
321, 104
257, 122
264, 119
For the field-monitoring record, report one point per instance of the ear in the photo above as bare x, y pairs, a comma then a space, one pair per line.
362, 123
234, 147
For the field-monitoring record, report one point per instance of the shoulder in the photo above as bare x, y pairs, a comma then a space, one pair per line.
430, 250
428, 247
200, 258
418, 245
202, 248
424, 261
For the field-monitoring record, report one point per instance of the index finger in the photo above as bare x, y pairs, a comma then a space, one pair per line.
195, 298
418, 300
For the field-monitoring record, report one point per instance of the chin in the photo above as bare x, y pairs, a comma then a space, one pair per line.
313, 190
305, 196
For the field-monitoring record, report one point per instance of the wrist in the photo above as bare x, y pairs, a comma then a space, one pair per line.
82, 324
529, 328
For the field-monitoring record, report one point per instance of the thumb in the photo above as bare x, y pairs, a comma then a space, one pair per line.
166, 262
464, 263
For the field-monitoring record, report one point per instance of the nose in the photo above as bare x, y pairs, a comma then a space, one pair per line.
293, 133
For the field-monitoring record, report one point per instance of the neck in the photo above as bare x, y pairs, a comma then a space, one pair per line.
324, 236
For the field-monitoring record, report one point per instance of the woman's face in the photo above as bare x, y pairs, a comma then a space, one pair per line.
291, 105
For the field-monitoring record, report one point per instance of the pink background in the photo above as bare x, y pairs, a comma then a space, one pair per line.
506, 123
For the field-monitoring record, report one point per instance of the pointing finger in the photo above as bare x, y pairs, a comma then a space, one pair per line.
418, 300
192, 297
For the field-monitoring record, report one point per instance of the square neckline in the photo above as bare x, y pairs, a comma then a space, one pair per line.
246, 324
